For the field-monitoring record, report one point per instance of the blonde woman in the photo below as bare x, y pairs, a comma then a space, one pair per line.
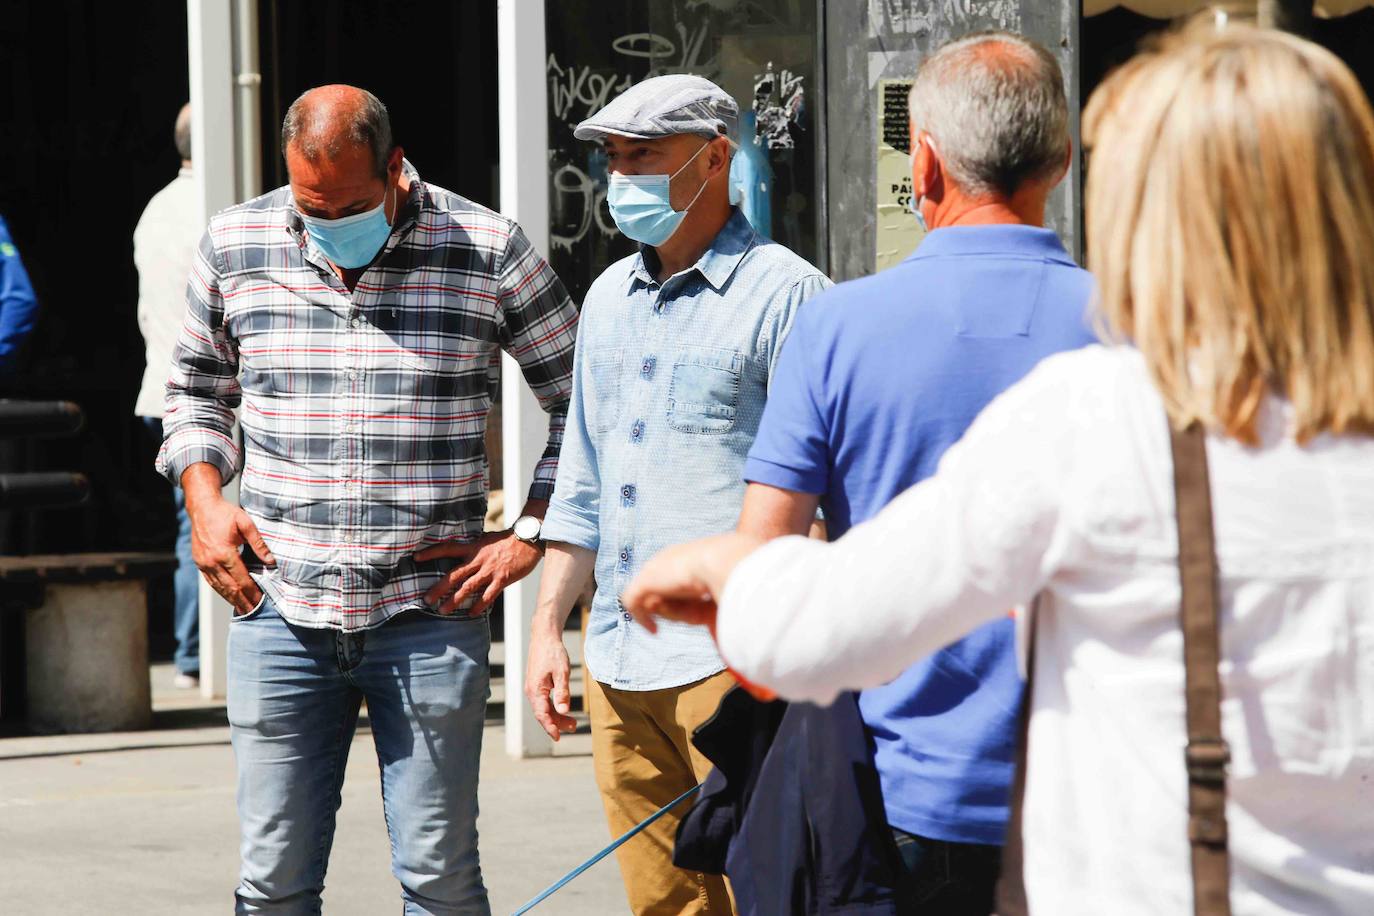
1230, 212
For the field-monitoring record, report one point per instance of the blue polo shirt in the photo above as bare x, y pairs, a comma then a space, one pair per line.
878, 378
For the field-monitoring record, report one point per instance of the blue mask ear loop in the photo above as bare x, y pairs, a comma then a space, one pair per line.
396, 211
915, 205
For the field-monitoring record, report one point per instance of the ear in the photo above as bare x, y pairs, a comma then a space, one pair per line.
394, 163
718, 158
925, 168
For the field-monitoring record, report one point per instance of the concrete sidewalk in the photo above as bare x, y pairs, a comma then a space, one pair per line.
144, 823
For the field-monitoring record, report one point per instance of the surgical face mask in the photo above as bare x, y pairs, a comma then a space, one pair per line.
350, 241
640, 205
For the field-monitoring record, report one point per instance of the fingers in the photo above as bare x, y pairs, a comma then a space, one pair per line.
448, 583
554, 721
493, 591
242, 592
544, 715
461, 550
561, 695
472, 586
249, 532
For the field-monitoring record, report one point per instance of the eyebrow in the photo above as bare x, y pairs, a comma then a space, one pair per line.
348, 209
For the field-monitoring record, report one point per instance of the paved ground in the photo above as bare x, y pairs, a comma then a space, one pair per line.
144, 823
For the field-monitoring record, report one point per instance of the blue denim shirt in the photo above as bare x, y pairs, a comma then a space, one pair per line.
669, 384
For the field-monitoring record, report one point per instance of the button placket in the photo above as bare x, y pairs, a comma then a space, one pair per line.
352, 435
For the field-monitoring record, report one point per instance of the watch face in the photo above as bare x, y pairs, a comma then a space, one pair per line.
527, 528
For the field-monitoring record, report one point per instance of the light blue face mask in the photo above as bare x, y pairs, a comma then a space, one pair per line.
350, 241
641, 208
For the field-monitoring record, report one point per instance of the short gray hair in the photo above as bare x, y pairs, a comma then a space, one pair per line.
318, 130
181, 133
994, 104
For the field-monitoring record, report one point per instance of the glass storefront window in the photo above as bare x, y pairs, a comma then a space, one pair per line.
763, 52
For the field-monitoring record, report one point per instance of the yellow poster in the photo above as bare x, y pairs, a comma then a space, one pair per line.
898, 232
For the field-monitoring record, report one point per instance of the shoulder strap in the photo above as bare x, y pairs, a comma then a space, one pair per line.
1011, 885
1206, 755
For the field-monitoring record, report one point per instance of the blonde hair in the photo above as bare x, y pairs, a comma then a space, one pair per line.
1230, 212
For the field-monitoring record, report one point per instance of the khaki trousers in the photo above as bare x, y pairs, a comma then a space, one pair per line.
644, 758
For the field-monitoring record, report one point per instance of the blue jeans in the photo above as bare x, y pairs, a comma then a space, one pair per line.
185, 581
294, 695
948, 879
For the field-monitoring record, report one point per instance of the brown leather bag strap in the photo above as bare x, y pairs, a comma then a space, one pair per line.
1206, 755
1011, 884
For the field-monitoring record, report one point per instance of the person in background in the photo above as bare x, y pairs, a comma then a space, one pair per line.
880, 376
18, 304
358, 315
676, 351
164, 253
1218, 148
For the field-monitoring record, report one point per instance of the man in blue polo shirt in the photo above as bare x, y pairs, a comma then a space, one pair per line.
880, 376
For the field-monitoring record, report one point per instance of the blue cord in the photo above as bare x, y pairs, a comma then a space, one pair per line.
554, 888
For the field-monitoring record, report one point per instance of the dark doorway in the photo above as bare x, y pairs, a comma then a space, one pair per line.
92, 92
432, 62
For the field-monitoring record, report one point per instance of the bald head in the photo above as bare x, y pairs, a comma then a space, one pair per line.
181, 132
329, 120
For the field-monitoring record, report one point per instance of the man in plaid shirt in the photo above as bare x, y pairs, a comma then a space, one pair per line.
358, 316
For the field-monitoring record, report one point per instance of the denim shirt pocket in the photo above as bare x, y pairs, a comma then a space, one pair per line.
601, 400
703, 396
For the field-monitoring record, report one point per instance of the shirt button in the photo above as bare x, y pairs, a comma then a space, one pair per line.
353, 373
356, 323
647, 369
628, 617
637, 431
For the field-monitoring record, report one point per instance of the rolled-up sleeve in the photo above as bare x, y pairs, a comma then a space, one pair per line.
203, 390
538, 327
574, 514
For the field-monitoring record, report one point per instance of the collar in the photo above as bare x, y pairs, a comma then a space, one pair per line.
996, 239
716, 265
185, 172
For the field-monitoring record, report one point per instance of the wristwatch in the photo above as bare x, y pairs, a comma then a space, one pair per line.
527, 529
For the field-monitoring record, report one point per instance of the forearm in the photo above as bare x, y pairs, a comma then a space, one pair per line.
535, 507
771, 512
201, 483
567, 570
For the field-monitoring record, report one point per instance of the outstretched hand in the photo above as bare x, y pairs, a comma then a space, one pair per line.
685, 582
673, 586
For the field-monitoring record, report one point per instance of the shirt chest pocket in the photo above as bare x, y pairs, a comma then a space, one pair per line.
432, 339
703, 396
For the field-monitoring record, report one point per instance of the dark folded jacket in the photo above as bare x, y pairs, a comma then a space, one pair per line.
793, 811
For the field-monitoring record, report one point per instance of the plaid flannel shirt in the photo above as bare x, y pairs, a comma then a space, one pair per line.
364, 413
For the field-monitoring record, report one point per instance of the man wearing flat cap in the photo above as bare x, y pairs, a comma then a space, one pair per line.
675, 350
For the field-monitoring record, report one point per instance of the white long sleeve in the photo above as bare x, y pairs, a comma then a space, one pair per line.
1062, 489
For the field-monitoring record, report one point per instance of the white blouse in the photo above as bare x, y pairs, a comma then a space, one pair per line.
1063, 487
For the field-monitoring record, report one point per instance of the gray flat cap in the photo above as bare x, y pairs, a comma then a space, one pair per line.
664, 105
